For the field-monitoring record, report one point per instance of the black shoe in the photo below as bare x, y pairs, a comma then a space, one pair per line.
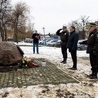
73, 68
90, 75
63, 61
93, 77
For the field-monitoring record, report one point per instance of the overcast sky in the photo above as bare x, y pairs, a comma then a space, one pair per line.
53, 14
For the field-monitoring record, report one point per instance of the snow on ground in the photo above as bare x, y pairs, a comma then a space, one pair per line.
50, 52
54, 55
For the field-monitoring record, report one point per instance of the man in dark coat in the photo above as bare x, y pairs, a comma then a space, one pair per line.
35, 38
72, 46
92, 49
64, 35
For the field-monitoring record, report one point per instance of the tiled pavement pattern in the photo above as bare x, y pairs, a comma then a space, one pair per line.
49, 74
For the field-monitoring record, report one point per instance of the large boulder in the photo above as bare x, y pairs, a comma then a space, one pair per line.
10, 54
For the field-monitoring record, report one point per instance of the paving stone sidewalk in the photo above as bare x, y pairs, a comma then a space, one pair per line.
49, 74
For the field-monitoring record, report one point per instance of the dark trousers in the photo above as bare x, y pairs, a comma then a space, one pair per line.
74, 58
94, 63
64, 52
37, 49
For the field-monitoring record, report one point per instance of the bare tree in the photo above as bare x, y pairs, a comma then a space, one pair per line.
80, 25
5, 9
84, 20
77, 24
19, 19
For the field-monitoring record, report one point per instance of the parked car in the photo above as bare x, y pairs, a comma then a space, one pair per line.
28, 40
81, 46
51, 42
58, 43
44, 41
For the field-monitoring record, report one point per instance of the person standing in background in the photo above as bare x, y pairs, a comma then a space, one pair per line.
72, 46
64, 35
35, 38
92, 49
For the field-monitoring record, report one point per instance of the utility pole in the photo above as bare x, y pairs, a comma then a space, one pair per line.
44, 34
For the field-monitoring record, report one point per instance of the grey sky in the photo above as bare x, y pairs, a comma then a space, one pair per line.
52, 14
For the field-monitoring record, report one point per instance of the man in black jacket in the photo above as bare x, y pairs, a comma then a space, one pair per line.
72, 46
64, 35
35, 38
92, 49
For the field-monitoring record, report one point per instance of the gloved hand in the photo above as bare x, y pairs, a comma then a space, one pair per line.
80, 42
94, 52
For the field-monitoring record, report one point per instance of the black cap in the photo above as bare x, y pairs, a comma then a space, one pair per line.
92, 24
64, 26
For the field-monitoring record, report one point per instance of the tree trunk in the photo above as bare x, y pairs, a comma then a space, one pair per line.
2, 35
15, 34
5, 34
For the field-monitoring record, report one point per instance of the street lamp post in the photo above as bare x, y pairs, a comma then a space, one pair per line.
44, 31
44, 34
